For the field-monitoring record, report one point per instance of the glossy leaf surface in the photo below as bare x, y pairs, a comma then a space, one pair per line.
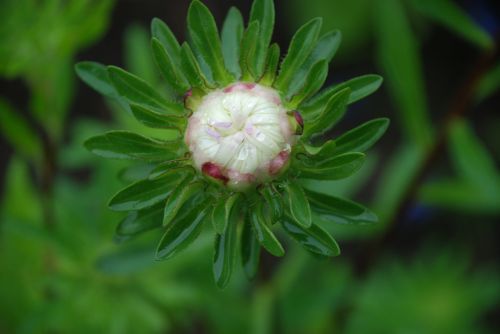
298, 204
362, 137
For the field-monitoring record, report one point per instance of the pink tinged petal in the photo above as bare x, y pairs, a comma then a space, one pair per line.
277, 163
214, 171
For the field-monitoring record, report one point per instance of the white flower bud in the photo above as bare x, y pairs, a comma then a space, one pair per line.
240, 135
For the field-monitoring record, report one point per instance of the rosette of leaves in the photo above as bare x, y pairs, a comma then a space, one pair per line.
179, 197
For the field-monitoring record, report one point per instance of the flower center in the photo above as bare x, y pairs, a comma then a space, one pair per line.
240, 135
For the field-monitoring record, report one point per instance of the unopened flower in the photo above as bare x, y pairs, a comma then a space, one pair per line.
250, 130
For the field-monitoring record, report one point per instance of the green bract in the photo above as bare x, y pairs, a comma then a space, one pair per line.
179, 199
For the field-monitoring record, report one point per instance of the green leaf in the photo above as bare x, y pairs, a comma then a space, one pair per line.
321, 153
18, 132
335, 168
300, 48
360, 87
249, 45
451, 16
362, 137
169, 69
339, 210
182, 232
231, 35
314, 239
274, 203
263, 12
96, 76
205, 40
398, 54
137, 91
263, 232
489, 84
138, 58
273, 58
179, 196
225, 212
472, 160
192, 70
250, 251
153, 119
331, 114
146, 193
325, 50
298, 204
161, 32
313, 82
128, 145
138, 222
225, 254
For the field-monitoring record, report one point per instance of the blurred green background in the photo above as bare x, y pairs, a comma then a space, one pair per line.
431, 265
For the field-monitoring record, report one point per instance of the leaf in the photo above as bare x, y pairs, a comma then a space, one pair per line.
360, 87
339, 210
298, 204
179, 196
314, 239
399, 57
146, 193
191, 69
169, 68
335, 168
138, 222
321, 153
274, 203
263, 232
128, 145
313, 82
472, 161
161, 32
273, 58
19, 132
96, 76
138, 58
325, 49
225, 211
451, 16
225, 254
362, 137
205, 40
249, 45
231, 35
155, 119
330, 115
489, 84
137, 91
263, 12
300, 47
250, 251
182, 232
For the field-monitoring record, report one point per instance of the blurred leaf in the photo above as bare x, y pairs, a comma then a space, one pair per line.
224, 212
128, 145
263, 232
137, 54
231, 35
19, 132
298, 204
96, 76
362, 137
154, 119
204, 37
146, 193
398, 54
250, 251
300, 48
314, 239
489, 84
449, 14
126, 261
225, 254
169, 68
335, 168
137, 222
263, 12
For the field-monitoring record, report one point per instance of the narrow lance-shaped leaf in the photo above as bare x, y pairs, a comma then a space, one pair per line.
154, 119
224, 211
263, 12
298, 204
169, 69
335, 168
128, 145
263, 232
274, 202
250, 251
248, 47
96, 76
300, 47
137, 55
313, 82
362, 137
325, 49
231, 35
272, 61
314, 239
192, 70
161, 32
205, 40
138, 222
182, 232
225, 253
146, 193
137, 91
179, 196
